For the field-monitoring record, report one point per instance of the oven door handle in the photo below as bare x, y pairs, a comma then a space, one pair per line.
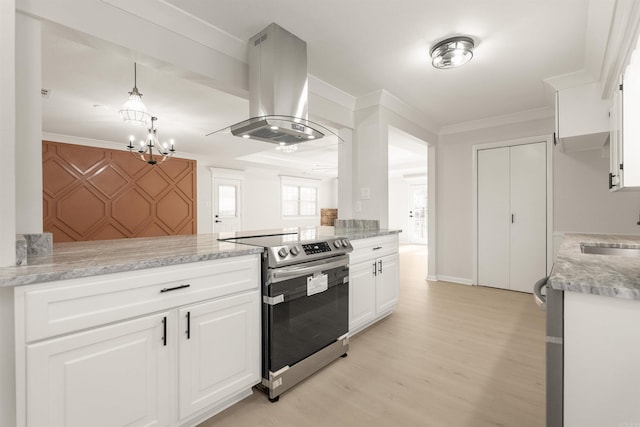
284, 273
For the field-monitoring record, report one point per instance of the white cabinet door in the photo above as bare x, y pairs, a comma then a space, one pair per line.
219, 350
362, 294
494, 216
630, 122
387, 283
615, 142
528, 238
115, 375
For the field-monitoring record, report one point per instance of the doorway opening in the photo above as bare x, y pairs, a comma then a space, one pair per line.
408, 188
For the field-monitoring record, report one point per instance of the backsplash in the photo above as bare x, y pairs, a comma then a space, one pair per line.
357, 224
32, 244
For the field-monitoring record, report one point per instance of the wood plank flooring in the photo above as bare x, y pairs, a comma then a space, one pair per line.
449, 355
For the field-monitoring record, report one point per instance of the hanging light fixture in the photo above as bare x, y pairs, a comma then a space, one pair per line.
133, 110
452, 52
151, 150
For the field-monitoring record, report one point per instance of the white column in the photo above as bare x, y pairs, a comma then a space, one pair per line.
28, 125
371, 183
7, 207
345, 174
7, 137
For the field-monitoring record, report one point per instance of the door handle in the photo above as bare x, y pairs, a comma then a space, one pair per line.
380, 266
512, 218
375, 271
217, 220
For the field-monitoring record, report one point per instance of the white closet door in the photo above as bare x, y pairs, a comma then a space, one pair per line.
493, 217
529, 209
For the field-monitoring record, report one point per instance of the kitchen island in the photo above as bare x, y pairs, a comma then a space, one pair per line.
601, 333
162, 330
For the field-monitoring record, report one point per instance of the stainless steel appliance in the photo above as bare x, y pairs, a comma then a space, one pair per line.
305, 310
553, 304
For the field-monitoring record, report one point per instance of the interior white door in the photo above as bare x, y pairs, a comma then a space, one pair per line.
418, 214
528, 239
493, 217
227, 205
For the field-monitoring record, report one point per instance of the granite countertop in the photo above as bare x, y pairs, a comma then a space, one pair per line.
608, 275
85, 259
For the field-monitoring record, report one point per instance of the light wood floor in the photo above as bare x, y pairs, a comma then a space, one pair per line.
449, 355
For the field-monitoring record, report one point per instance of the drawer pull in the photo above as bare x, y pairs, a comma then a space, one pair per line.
377, 247
174, 288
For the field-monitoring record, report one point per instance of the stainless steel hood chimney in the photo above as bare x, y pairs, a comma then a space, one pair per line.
277, 89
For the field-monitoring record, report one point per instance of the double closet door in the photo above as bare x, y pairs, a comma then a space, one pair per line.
512, 216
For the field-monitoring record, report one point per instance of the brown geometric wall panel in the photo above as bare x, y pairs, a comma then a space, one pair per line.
100, 194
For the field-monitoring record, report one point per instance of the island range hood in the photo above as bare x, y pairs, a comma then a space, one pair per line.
278, 91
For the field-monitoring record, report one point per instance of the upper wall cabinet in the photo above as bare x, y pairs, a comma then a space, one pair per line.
625, 130
582, 117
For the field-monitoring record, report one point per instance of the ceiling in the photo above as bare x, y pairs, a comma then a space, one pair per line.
359, 46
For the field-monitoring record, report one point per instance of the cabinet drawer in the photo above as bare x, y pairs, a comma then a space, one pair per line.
373, 247
69, 305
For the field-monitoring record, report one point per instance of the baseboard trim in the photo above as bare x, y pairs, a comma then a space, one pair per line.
458, 280
431, 278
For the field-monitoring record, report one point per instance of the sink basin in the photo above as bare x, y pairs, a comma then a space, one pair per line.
613, 249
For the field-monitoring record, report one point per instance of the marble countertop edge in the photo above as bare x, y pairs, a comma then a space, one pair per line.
605, 275
71, 260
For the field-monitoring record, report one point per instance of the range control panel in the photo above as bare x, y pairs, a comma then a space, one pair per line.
316, 248
297, 252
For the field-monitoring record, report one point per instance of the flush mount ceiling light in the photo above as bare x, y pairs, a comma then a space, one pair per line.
133, 110
452, 52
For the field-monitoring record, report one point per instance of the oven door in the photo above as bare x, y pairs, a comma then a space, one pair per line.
306, 309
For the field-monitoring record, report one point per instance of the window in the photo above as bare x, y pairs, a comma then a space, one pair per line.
299, 198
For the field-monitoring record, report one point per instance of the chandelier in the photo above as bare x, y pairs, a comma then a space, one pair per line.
151, 150
133, 110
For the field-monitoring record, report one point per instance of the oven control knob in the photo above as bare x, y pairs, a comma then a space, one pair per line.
337, 243
283, 252
345, 243
294, 251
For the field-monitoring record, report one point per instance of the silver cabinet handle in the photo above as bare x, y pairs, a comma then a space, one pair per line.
380, 266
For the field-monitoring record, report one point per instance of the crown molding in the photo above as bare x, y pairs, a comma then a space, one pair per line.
496, 121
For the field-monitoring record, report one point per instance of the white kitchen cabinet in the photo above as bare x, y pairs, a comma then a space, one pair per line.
117, 375
601, 353
625, 130
169, 346
512, 216
373, 280
582, 117
219, 351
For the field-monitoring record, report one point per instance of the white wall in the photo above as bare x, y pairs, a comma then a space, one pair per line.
454, 187
582, 200
261, 208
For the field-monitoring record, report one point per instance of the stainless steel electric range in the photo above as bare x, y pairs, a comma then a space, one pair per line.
305, 310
